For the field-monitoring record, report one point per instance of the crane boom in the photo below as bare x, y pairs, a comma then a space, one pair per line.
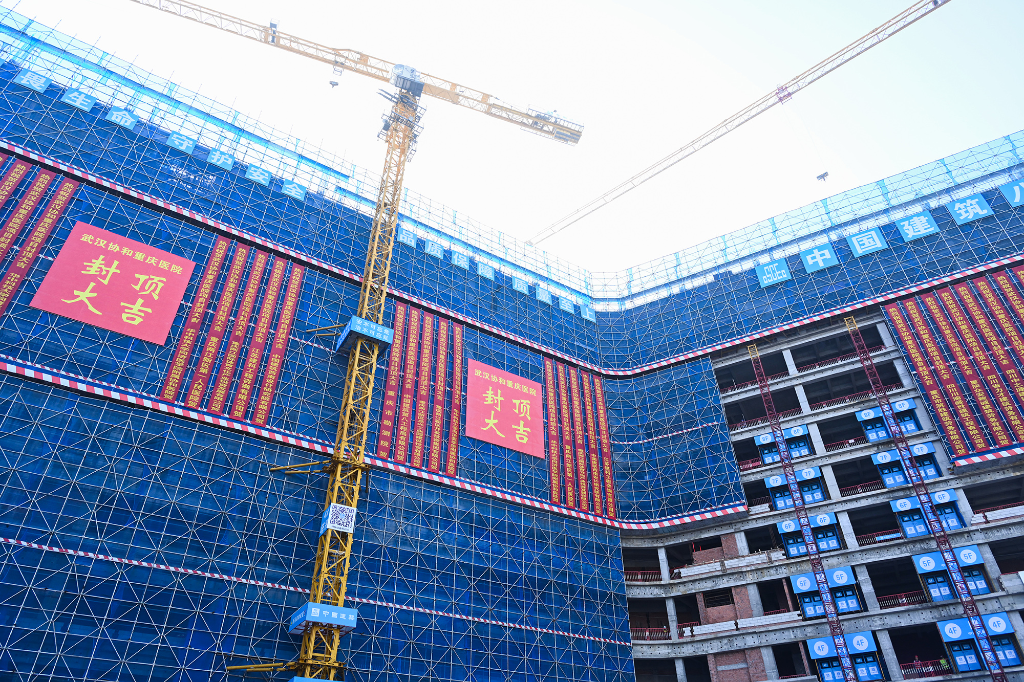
546, 125
917, 11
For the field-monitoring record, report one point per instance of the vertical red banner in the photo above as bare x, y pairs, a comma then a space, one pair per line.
183, 353
451, 464
390, 403
275, 361
989, 413
419, 436
606, 449
1005, 283
961, 409
215, 334
998, 312
568, 459
593, 451
577, 433
1004, 401
554, 470
34, 242
408, 394
254, 358
924, 372
11, 180
437, 427
219, 396
988, 294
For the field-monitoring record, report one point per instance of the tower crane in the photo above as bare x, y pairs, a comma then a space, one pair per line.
780, 95
318, 654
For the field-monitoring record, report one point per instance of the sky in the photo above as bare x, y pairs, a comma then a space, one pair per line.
644, 77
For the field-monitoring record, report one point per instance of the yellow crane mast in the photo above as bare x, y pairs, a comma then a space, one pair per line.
318, 655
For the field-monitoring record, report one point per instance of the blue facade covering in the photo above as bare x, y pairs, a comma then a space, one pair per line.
450, 584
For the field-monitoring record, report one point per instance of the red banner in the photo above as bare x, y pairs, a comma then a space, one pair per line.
254, 358
500, 408
924, 373
566, 439
995, 344
554, 470
408, 394
451, 463
215, 334
581, 455
1005, 320
437, 433
219, 397
12, 179
606, 449
388, 410
988, 409
592, 448
275, 361
419, 436
34, 244
183, 353
1004, 401
961, 408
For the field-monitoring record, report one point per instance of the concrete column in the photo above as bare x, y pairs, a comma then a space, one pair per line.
770, 667
942, 457
816, 441
991, 565
883, 331
866, 588
755, 600
831, 484
906, 378
889, 654
1018, 626
680, 670
848, 535
964, 506
924, 417
673, 620
741, 543
663, 563
787, 355
801, 397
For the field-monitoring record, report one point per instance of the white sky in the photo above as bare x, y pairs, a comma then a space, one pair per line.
644, 77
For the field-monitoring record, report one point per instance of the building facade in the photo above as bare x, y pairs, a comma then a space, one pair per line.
568, 478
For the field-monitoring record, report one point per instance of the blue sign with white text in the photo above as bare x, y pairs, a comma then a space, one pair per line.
1013, 193
257, 174
969, 208
869, 241
32, 80
123, 118
772, 273
181, 143
293, 189
917, 226
221, 159
79, 100
819, 258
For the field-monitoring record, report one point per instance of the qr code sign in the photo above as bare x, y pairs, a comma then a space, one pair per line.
342, 518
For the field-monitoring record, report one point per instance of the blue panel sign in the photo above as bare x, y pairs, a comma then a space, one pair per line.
775, 481
804, 582
902, 405
293, 189
323, 614
959, 629
928, 563
808, 473
520, 285
434, 249
1013, 193
406, 237
840, 577
968, 556
32, 80
588, 313
819, 258
543, 295
869, 241
460, 260
220, 159
876, 412
258, 175
772, 273
79, 100
566, 305
823, 647
793, 432
122, 117
969, 208
816, 520
856, 642
917, 226
181, 143
360, 327
485, 270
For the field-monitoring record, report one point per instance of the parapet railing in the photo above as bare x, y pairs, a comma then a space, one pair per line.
1003, 511
880, 536
648, 634
919, 669
891, 601
869, 487
747, 423
836, 360
642, 576
843, 444
748, 384
852, 398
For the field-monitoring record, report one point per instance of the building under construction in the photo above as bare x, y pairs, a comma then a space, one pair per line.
789, 453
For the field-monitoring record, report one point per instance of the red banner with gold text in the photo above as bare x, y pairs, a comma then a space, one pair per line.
258, 342
408, 395
437, 432
577, 439
275, 361
451, 464
593, 450
419, 435
391, 384
554, 470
